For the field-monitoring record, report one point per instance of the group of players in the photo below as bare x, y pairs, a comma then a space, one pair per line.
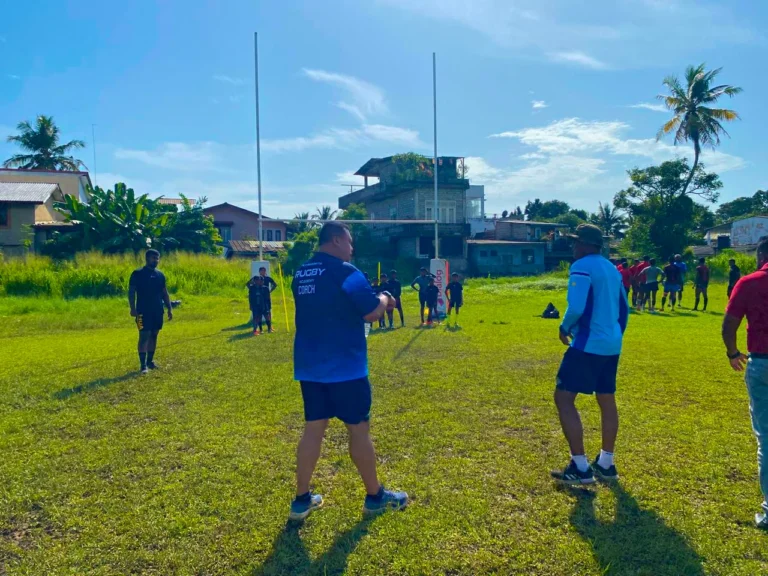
643, 280
260, 290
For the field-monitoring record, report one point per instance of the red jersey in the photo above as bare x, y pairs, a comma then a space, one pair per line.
750, 298
626, 276
702, 274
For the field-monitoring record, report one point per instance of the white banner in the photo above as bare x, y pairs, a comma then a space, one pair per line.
256, 264
440, 270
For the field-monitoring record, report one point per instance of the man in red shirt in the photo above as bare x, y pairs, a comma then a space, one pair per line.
750, 299
626, 275
634, 280
702, 283
638, 285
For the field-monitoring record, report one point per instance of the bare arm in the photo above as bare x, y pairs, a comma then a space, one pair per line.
730, 336
378, 312
132, 299
167, 300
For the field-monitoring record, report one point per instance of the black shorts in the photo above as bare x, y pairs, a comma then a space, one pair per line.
256, 311
348, 401
584, 373
651, 287
455, 304
149, 321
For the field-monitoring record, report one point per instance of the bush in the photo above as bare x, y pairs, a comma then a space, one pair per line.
718, 265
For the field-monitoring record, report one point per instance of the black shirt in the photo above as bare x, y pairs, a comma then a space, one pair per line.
149, 284
269, 283
258, 295
432, 292
395, 288
733, 276
673, 274
455, 292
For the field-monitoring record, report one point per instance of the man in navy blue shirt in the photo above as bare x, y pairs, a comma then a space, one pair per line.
333, 303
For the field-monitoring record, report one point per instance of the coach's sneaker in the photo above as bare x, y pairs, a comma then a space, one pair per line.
145, 370
152, 366
607, 474
302, 506
761, 521
572, 476
385, 500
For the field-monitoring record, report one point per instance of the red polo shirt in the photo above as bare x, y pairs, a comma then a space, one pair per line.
626, 276
750, 299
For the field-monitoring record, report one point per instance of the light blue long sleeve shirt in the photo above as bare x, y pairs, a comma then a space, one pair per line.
597, 307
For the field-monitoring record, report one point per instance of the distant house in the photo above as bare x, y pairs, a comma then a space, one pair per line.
506, 257
741, 235
235, 223
250, 248
27, 216
405, 191
71, 183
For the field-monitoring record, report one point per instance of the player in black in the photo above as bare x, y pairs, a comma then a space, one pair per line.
396, 289
377, 285
260, 303
734, 273
147, 293
455, 293
385, 286
431, 293
268, 282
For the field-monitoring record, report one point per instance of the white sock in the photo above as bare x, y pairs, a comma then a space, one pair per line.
605, 460
581, 462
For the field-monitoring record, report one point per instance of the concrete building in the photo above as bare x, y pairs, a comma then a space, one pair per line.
235, 223
71, 183
27, 216
405, 191
740, 235
506, 258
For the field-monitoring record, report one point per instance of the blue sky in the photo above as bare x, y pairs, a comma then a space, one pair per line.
546, 98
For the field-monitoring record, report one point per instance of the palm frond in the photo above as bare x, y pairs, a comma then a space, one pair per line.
668, 127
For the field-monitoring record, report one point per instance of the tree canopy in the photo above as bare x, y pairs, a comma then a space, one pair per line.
44, 152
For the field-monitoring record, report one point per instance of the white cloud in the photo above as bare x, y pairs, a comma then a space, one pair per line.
532, 156
580, 58
181, 156
366, 99
230, 80
648, 106
347, 139
537, 104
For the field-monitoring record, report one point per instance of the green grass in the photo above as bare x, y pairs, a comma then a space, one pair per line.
190, 470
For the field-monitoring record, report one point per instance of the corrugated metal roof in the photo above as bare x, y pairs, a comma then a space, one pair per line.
34, 192
253, 246
175, 201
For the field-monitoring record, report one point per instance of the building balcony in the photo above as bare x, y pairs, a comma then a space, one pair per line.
418, 230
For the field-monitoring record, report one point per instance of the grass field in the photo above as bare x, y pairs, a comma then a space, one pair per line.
190, 470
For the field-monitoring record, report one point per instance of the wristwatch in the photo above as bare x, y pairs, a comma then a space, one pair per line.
734, 355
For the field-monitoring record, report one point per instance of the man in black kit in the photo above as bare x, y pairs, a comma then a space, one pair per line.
147, 293
396, 289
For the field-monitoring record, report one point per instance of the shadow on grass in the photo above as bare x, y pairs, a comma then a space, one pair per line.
290, 556
92, 385
238, 327
407, 347
454, 328
636, 541
242, 335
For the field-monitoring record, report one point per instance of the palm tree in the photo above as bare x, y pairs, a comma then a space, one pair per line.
42, 143
611, 220
324, 213
694, 121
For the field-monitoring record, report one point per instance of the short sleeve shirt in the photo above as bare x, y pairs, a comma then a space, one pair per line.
149, 284
332, 297
673, 274
750, 298
702, 274
456, 291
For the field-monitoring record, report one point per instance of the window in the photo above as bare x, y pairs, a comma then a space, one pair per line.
270, 234
494, 253
225, 232
537, 233
446, 211
528, 257
393, 213
426, 247
474, 208
5, 214
278, 235
483, 253
372, 216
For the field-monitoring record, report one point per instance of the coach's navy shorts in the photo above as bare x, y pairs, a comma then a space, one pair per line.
348, 401
583, 373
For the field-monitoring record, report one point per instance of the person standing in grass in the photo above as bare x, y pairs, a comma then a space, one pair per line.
333, 303
683, 271
651, 277
593, 329
432, 293
396, 289
626, 275
635, 281
386, 286
147, 292
455, 293
672, 279
734, 273
420, 284
702, 283
750, 298
377, 289
260, 302
268, 281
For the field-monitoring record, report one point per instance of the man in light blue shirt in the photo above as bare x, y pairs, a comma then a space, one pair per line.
592, 328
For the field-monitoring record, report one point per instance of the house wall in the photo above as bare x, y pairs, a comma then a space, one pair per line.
520, 231
19, 229
506, 259
748, 231
69, 183
245, 225
47, 213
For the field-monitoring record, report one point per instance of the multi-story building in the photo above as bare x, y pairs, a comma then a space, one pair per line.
405, 191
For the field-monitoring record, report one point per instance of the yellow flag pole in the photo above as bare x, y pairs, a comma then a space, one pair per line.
379, 276
282, 290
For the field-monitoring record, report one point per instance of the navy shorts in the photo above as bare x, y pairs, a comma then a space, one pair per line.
348, 401
583, 373
149, 321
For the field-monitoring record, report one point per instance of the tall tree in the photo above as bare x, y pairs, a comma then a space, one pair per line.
743, 207
324, 213
41, 141
611, 220
694, 121
662, 210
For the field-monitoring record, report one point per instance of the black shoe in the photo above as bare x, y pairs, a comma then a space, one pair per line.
152, 366
608, 474
572, 476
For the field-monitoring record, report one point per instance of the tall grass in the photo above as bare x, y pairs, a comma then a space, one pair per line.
96, 275
718, 265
